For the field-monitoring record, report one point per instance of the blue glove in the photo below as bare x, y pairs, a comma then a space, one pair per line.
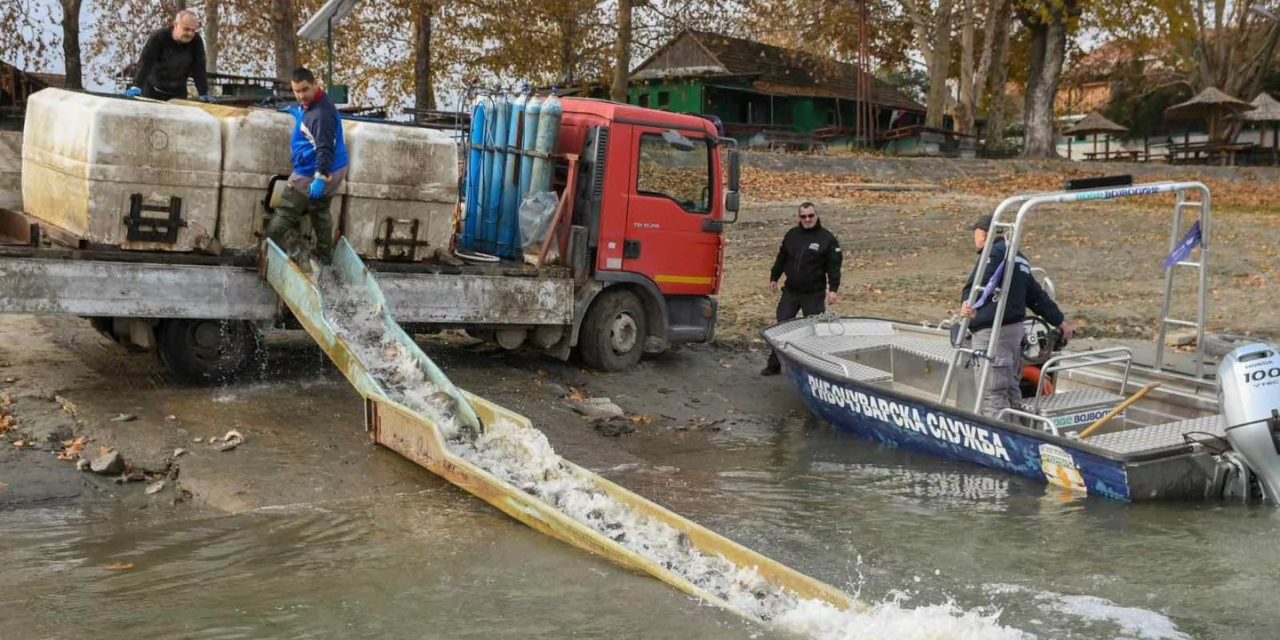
317, 188
133, 92
208, 99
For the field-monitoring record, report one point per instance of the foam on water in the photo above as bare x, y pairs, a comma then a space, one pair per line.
524, 458
1132, 621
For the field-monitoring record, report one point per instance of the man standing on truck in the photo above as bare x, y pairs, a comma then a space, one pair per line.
319, 165
170, 56
810, 257
1024, 292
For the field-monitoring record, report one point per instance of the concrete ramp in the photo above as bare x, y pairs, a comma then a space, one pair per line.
454, 433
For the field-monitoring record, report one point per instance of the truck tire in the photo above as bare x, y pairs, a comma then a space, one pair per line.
208, 351
613, 334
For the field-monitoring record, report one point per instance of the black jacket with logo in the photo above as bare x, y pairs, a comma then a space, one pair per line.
810, 258
165, 64
1025, 293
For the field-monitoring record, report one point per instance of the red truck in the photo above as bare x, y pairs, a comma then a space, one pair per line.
641, 239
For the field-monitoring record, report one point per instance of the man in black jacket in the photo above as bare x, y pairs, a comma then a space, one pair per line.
810, 257
1024, 293
170, 56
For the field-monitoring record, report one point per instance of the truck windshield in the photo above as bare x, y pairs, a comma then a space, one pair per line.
683, 176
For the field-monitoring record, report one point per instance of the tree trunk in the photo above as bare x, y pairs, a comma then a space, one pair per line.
622, 53
286, 38
71, 43
1048, 49
997, 77
212, 23
967, 99
568, 52
423, 91
938, 61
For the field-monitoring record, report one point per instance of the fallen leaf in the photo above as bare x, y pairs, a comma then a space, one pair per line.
119, 566
576, 394
641, 420
71, 448
20, 443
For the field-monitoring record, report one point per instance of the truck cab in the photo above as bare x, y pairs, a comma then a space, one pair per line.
651, 202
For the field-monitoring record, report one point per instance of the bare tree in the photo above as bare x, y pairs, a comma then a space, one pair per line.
423, 93
1048, 23
997, 73
212, 26
284, 30
622, 53
71, 43
933, 39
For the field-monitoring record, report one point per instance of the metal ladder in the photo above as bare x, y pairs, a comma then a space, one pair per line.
1175, 237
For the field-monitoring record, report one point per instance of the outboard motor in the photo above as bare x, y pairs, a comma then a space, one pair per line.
1249, 395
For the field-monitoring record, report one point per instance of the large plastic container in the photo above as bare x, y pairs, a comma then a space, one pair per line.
11, 170
119, 172
399, 175
255, 149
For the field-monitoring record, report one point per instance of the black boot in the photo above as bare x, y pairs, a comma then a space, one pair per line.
773, 367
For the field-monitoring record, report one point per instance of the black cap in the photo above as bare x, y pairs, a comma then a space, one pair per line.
983, 223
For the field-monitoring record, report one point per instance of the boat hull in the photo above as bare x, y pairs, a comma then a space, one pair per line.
879, 414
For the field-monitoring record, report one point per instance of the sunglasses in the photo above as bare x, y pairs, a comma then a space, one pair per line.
808, 216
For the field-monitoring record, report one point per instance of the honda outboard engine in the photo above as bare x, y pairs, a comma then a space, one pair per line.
1249, 395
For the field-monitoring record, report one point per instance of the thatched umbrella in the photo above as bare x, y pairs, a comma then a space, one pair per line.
1266, 109
1211, 105
1095, 123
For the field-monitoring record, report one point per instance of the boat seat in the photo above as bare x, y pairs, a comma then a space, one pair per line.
1077, 400
936, 350
1159, 436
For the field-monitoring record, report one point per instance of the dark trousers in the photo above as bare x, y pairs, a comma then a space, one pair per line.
792, 304
156, 93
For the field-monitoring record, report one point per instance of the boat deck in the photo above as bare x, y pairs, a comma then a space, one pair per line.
913, 360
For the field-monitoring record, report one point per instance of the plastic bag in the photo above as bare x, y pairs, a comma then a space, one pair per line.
536, 214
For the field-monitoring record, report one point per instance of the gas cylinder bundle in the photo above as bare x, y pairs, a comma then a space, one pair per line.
511, 144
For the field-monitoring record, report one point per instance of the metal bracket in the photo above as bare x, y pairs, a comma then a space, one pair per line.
388, 240
145, 229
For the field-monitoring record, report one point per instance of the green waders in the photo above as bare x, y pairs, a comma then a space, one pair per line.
294, 206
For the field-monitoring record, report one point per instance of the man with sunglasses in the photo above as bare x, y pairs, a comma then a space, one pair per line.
810, 259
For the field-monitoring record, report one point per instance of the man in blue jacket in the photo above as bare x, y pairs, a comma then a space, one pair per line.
1024, 293
319, 165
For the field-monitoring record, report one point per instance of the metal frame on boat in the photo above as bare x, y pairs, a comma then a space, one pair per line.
900, 383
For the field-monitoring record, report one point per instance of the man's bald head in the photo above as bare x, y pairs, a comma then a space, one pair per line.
185, 26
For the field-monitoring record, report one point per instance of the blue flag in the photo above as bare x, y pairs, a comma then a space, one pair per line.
1184, 248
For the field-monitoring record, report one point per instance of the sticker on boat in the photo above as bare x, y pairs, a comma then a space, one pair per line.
1060, 468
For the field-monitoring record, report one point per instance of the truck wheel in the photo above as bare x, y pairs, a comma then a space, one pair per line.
614, 332
205, 351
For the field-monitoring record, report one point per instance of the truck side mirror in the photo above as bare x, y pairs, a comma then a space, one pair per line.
732, 201
735, 172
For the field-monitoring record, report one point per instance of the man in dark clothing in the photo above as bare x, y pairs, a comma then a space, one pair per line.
810, 257
1024, 293
319, 165
170, 57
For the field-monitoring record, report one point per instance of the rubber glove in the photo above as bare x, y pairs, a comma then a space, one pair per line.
133, 92
317, 188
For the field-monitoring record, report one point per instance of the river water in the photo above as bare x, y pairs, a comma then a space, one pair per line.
888, 525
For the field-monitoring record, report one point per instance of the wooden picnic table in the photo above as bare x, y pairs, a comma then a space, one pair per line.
1213, 152
1119, 155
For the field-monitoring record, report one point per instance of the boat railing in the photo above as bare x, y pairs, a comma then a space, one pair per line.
1069, 361
793, 345
1013, 232
1010, 411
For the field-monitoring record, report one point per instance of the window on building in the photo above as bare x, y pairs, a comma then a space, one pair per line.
644, 100
682, 176
664, 99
